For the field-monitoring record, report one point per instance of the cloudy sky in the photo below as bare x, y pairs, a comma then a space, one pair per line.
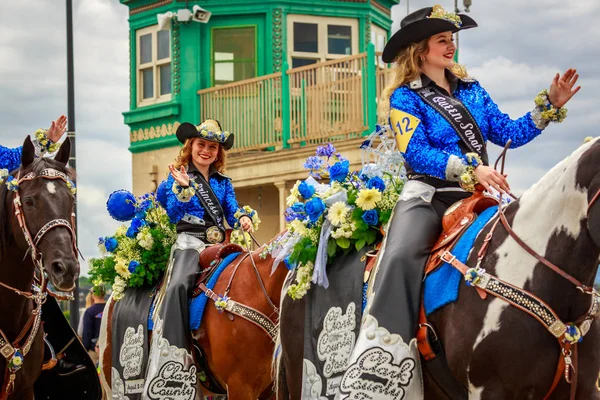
515, 52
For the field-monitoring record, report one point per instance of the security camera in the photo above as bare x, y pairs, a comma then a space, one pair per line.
200, 14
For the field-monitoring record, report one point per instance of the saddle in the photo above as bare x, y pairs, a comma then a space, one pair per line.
456, 219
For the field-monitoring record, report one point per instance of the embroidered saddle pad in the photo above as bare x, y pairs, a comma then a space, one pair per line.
441, 286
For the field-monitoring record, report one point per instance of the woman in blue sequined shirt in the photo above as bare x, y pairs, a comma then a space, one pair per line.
43, 142
441, 119
199, 198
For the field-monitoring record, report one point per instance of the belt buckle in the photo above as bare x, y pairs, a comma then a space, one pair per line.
214, 235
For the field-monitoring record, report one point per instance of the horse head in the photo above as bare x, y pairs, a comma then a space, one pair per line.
39, 215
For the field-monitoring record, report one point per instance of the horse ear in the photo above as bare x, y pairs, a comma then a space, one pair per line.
27, 152
64, 153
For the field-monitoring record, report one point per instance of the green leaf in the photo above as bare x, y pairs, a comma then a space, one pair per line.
343, 242
359, 244
371, 236
331, 247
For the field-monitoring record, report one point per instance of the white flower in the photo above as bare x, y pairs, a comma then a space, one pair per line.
118, 288
293, 198
121, 231
337, 213
121, 268
145, 239
368, 198
298, 227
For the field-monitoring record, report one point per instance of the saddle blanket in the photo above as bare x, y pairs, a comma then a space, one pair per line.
198, 304
441, 286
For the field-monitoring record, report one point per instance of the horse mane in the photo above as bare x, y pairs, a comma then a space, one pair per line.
561, 174
5, 218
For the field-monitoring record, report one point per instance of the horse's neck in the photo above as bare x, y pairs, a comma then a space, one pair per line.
17, 273
273, 281
549, 219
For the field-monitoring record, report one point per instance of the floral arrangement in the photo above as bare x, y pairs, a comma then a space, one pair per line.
333, 211
547, 111
439, 12
135, 255
238, 236
45, 143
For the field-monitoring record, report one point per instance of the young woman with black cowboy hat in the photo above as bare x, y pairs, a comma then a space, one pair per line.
199, 198
442, 120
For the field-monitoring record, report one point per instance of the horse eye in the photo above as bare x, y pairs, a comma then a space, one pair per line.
28, 200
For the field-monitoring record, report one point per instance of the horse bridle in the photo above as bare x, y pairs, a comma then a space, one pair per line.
12, 351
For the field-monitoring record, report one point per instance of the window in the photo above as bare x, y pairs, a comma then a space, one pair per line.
379, 38
233, 54
316, 39
153, 65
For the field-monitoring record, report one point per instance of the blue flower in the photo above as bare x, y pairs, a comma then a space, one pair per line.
326, 151
111, 244
133, 266
161, 193
307, 191
339, 170
370, 217
142, 208
298, 207
288, 264
313, 163
314, 208
134, 228
376, 183
121, 205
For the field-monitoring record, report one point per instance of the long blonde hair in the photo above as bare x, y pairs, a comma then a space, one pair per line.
185, 156
407, 68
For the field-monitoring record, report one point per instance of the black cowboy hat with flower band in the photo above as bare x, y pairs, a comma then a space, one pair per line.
424, 23
210, 130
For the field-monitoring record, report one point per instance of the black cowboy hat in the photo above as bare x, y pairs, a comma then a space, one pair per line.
210, 130
422, 24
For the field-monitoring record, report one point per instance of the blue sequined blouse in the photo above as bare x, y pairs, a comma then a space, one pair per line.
10, 158
434, 146
221, 186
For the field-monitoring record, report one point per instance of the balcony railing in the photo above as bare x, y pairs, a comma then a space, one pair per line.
329, 101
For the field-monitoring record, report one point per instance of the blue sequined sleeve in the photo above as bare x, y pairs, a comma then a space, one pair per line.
422, 157
10, 158
176, 209
230, 204
503, 128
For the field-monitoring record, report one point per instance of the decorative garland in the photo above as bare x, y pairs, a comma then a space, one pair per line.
547, 111
468, 180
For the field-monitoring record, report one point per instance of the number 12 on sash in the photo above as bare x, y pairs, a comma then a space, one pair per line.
404, 126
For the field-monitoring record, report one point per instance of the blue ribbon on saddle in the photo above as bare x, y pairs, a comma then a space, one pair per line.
441, 286
197, 304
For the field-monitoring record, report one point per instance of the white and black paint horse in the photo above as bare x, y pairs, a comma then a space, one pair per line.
495, 350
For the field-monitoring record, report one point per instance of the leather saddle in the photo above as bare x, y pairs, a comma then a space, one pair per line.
456, 219
211, 257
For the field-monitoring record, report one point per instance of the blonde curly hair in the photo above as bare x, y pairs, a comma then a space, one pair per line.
407, 68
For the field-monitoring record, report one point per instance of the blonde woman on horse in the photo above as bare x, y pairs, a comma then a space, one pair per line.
442, 119
44, 141
199, 199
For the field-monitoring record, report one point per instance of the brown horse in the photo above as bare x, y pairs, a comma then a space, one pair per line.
36, 223
239, 353
494, 350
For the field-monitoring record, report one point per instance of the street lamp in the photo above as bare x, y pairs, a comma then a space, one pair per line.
467, 4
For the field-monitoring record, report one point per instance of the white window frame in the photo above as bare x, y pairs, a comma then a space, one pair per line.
376, 34
322, 22
154, 64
